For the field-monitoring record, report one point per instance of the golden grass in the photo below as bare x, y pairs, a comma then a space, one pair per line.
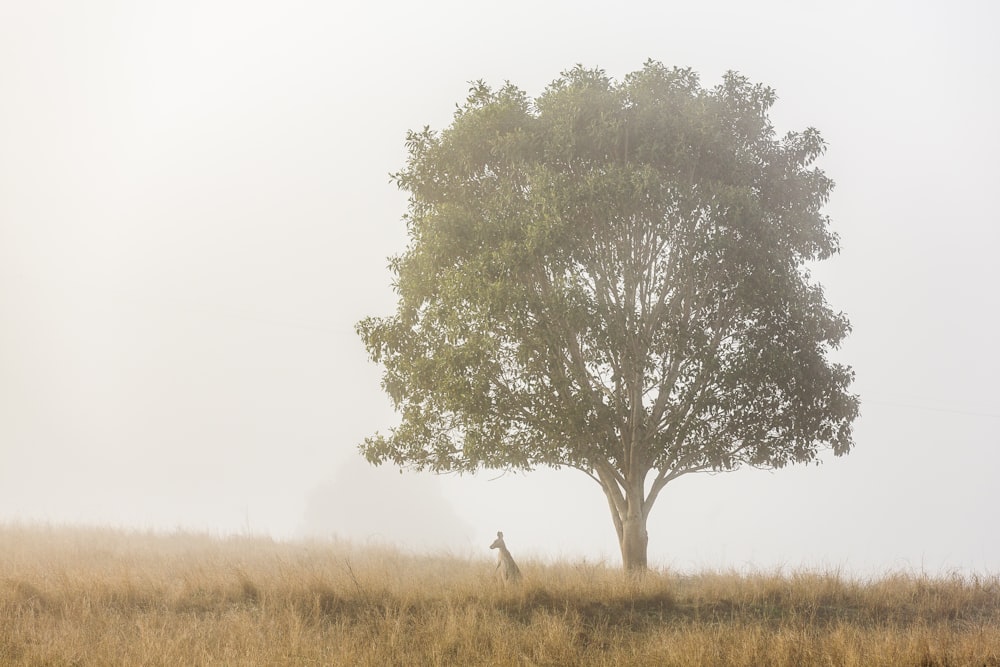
100, 597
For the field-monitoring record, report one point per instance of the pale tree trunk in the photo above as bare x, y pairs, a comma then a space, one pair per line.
634, 541
629, 516
633, 536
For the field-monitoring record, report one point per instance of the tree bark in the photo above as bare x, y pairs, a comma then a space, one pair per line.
634, 538
628, 511
634, 541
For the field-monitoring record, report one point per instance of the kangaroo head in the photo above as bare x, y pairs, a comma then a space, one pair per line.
498, 543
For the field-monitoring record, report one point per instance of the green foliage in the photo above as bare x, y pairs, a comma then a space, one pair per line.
612, 277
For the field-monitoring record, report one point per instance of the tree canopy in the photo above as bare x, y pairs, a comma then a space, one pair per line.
613, 277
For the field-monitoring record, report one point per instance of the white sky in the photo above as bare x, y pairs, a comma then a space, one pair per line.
195, 210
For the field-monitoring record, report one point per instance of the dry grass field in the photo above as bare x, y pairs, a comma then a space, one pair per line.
99, 597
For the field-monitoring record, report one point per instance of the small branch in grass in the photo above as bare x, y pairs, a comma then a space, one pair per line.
357, 584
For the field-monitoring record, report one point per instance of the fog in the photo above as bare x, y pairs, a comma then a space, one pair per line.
195, 210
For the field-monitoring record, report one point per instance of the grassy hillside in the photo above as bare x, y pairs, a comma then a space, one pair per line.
96, 597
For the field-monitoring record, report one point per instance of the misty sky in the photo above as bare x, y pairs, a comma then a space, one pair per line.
195, 210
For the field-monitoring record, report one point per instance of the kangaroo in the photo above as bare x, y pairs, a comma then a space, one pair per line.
509, 572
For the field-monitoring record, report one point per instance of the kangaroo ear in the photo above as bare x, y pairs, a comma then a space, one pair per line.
499, 534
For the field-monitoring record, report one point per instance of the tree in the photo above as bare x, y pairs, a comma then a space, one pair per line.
613, 277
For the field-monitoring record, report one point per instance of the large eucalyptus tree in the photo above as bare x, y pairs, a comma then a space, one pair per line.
613, 277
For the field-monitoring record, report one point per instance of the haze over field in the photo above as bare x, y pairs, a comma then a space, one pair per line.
195, 211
